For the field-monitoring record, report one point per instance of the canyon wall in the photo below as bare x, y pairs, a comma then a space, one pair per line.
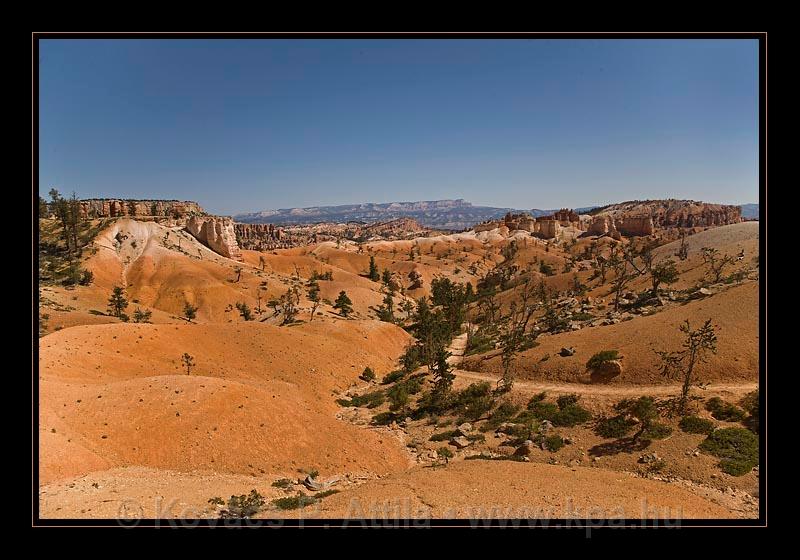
112, 208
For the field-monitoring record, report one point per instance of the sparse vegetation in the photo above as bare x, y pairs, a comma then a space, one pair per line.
599, 359
736, 447
188, 362
142, 316
189, 311
724, 411
240, 507
367, 374
244, 311
696, 425
117, 303
343, 304
681, 364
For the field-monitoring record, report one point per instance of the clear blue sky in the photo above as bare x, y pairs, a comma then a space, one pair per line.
247, 125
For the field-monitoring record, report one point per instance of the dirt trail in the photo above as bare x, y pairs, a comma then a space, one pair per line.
586, 389
458, 347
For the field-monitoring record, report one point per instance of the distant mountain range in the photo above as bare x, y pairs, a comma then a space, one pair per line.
455, 214
439, 214
750, 211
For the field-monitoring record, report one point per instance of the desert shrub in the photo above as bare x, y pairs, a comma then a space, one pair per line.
696, 425
725, 411
582, 316
384, 418
325, 493
546, 269
444, 453
367, 374
474, 401
294, 502
565, 412
656, 431
87, 277
750, 404
398, 397
282, 483
602, 357
482, 341
736, 447
393, 376
480, 438
369, 400
615, 426
502, 413
140, 316
553, 442
443, 436
571, 415
241, 507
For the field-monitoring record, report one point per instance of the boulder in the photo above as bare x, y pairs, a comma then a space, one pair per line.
567, 352
460, 442
606, 371
525, 449
464, 429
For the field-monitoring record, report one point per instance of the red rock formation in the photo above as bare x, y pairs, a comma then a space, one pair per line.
633, 226
112, 208
216, 233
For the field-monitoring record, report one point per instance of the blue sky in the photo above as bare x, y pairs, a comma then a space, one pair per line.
247, 125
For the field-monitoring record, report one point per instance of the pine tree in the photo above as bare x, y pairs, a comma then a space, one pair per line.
373, 269
313, 296
343, 304
117, 303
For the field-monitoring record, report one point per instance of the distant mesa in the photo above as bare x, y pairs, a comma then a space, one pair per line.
114, 208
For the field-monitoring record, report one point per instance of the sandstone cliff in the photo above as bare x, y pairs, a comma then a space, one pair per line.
216, 233
112, 208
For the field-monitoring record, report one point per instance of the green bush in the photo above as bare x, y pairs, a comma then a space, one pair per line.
502, 413
444, 453
240, 507
696, 425
553, 442
582, 316
725, 411
370, 400
384, 418
567, 400
615, 426
443, 436
474, 401
282, 483
294, 502
602, 357
367, 374
656, 431
750, 404
393, 376
736, 447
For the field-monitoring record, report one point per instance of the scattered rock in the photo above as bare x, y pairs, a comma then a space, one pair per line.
460, 442
545, 426
567, 351
649, 458
464, 429
525, 449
